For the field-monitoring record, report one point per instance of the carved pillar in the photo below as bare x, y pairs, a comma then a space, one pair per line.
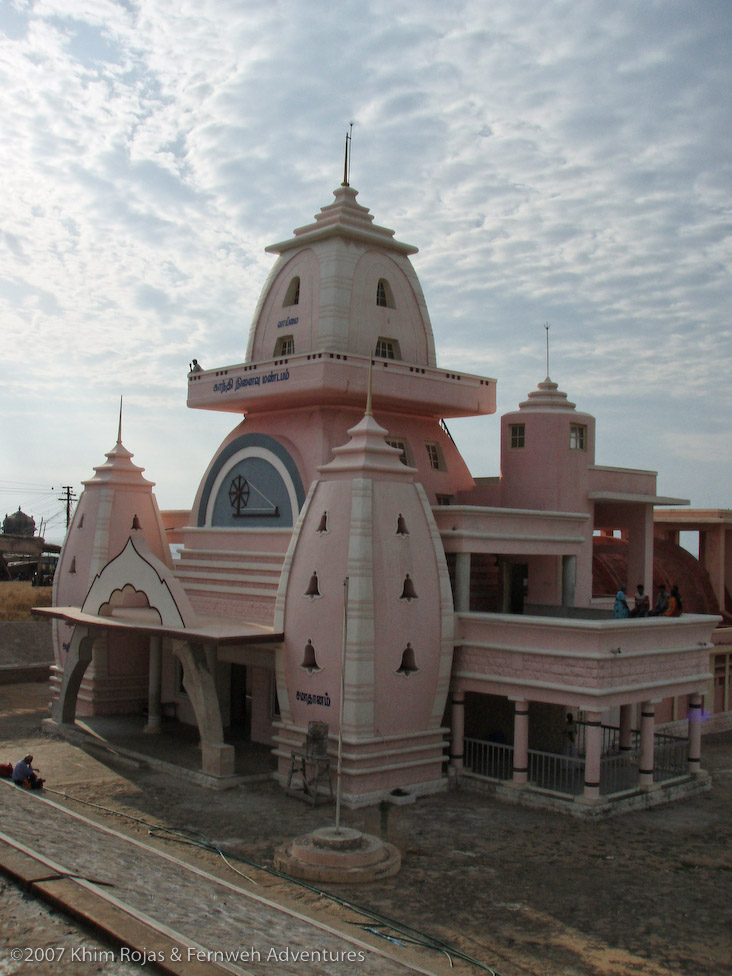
217, 757
78, 658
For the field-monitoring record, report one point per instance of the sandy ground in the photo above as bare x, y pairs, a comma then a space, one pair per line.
523, 891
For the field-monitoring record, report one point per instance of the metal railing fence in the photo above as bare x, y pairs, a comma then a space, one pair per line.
494, 760
565, 774
560, 774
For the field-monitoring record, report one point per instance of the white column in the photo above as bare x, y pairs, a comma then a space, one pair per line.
695, 727
521, 743
626, 728
593, 751
457, 742
648, 724
462, 582
569, 580
154, 685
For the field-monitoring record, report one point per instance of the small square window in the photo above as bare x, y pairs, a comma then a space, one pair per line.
285, 346
400, 445
577, 438
518, 435
444, 499
387, 348
435, 455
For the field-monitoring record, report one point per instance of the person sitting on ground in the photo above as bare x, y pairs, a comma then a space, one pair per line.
25, 775
620, 609
674, 604
661, 602
642, 603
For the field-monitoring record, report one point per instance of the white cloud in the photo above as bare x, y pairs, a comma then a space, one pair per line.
570, 166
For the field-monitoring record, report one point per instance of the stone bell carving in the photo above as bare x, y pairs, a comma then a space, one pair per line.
312, 591
309, 661
408, 590
409, 663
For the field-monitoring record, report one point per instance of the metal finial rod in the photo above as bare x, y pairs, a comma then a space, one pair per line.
119, 426
369, 409
547, 327
347, 157
350, 150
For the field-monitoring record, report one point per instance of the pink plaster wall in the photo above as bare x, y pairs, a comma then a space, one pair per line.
544, 659
404, 703
546, 474
309, 435
380, 623
273, 319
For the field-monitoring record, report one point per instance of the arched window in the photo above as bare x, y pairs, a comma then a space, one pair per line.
384, 295
292, 296
387, 348
285, 346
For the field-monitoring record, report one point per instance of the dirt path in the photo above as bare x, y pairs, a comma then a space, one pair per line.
524, 891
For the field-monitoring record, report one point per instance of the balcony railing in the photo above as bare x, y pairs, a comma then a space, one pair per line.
492, 760
566, 774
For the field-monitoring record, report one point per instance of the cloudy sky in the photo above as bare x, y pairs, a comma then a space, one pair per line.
554, 161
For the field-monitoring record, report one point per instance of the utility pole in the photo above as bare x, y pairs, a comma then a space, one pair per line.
69, 496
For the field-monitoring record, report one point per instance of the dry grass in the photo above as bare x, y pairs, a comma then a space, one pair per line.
16, 600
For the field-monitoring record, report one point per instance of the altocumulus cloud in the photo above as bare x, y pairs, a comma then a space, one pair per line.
571, 164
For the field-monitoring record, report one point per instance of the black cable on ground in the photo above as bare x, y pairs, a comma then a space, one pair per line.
186, 835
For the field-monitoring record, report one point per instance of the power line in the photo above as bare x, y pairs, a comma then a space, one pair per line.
24, 489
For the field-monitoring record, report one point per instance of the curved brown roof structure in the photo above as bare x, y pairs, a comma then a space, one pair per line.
672, 565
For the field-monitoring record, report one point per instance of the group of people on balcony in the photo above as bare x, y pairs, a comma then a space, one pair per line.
667, 604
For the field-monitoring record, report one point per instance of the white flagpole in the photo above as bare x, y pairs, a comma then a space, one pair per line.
340, 718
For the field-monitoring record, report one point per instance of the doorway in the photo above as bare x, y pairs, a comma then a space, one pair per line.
240, 702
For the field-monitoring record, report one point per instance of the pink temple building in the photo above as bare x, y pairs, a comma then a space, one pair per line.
340, 560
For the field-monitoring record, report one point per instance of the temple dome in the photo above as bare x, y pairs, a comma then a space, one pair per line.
19, 524
342, 285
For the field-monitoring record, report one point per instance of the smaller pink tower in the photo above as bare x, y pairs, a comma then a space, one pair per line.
547, 448
117, 503
366, 521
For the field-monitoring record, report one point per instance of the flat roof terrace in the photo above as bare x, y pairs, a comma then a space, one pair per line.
591, 664
469, 528
341, 379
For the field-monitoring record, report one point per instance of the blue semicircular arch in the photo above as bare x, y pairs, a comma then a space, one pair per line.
267, 490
